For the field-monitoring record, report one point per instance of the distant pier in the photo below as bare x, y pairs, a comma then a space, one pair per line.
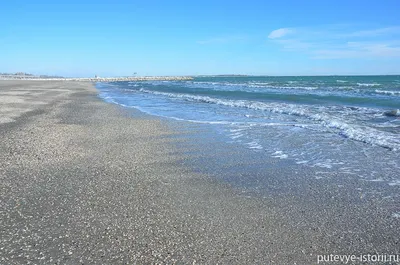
137, 78
99, 79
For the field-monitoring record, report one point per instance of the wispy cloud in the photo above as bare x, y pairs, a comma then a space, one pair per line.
279, 33
339, 42
294, 44
375, 32
359, 50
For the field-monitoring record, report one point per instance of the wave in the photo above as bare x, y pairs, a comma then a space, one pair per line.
392, 113
208, 84
352, 131
368, 84
275, 86
300, 87
284, 87
265, 90
260, 83
387, 92
216, 83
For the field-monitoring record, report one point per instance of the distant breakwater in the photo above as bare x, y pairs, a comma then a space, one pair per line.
101, 79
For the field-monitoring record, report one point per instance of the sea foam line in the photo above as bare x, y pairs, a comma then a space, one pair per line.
387, 92
360, 133
368, 84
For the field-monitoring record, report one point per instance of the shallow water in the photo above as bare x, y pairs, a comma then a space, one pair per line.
332, 129
334, 124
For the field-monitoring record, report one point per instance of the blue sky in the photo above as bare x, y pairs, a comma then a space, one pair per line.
117, 38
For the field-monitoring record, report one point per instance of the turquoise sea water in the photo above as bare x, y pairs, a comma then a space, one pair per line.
346, 124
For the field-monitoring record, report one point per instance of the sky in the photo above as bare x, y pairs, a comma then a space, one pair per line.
80, 38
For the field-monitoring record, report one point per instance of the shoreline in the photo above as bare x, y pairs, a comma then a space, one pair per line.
90, 182
84, 182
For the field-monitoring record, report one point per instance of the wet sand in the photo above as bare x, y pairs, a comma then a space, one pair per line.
86, 182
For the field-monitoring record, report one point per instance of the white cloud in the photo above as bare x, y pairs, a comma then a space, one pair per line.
294, 44
359, 50
279, 33
340, 42
375, 32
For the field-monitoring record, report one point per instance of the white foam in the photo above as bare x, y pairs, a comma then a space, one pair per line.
394, 183
356, 132
254, 145
236, 135
396, 215
237, 130
322, 165
376, 180
193, 121
284, 87
6, 120
323, 172
368, 84
301, 87
387, 92
302, 162
280, 155
259, 83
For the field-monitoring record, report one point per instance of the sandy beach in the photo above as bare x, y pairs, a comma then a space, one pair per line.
87, 182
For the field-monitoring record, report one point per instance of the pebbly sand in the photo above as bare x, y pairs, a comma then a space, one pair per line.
84, 182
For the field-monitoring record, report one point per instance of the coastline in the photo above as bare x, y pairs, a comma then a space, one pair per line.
87, 181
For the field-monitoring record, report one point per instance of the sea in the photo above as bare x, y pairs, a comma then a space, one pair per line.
343, 127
